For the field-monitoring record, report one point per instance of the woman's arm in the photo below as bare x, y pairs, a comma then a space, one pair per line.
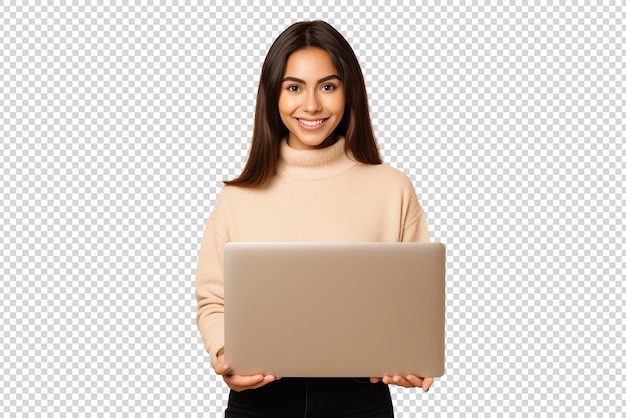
210, 298
210, 291
415, 230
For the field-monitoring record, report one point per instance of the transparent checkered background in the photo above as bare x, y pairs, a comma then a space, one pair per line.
118, 123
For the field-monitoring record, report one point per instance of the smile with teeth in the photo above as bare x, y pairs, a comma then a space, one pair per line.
311, 122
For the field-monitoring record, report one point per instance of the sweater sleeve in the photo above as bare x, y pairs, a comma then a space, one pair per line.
417, 231
210, 286
416, 226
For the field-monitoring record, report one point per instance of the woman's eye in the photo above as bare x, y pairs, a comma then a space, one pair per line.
293, 88
328, 87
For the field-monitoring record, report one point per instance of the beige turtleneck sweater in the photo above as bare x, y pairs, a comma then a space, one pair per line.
316, 195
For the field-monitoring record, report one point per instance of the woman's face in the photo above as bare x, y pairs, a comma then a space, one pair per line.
312, 100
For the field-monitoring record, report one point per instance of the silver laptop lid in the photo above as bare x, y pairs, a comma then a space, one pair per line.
335, 309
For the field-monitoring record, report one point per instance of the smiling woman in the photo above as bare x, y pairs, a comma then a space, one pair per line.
307, 40
312, 99
313, 173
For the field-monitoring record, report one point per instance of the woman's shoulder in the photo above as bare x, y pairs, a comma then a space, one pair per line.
230, 195
389, 174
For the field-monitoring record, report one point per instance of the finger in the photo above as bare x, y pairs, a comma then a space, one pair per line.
421, 382
401, 381
427, 383
396, 380
388, 380
375, 379
417, 382
242, 383
267, 379
239, 383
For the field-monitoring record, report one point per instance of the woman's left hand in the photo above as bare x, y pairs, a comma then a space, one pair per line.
409, 381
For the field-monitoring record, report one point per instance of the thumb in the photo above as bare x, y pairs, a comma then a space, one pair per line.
221, 367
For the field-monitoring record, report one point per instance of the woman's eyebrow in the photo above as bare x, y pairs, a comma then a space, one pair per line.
321, 80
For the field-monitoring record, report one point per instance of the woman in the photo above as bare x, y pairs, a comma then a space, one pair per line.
313, 173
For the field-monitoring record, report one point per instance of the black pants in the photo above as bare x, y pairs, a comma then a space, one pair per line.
313, 397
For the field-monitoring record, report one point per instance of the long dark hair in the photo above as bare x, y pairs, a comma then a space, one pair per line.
355, 126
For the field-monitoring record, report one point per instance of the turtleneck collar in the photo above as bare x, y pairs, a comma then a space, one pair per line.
314, 164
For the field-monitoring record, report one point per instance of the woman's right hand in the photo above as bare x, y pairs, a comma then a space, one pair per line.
238, 382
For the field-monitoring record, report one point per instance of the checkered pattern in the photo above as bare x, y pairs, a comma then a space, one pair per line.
118, 123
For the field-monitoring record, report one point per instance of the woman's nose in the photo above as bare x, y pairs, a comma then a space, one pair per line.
311, 102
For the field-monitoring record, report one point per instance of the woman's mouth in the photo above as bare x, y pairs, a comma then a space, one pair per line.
311, 124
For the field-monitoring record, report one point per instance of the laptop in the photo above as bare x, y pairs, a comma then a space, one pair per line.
305, 309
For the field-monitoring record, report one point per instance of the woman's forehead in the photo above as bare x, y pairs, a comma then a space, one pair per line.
310, 65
